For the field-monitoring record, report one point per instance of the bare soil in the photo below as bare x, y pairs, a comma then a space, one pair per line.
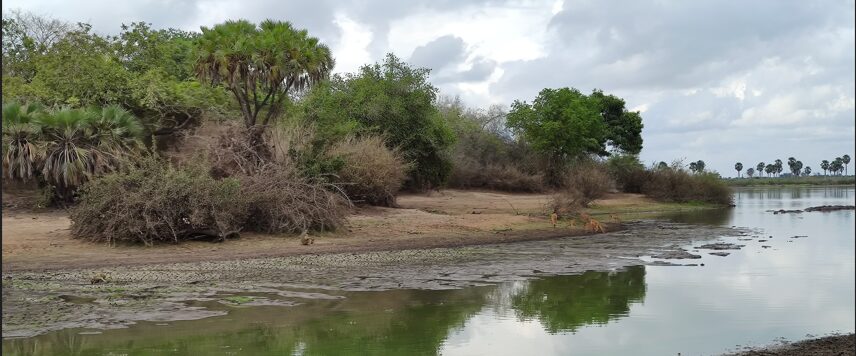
41, 240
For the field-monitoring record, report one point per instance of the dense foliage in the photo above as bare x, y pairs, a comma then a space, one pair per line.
392, 99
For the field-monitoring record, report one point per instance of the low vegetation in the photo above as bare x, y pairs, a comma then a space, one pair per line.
290, 146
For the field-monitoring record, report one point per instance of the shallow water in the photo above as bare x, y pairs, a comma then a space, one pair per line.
794, 287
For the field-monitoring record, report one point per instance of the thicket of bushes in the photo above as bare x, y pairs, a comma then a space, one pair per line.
669, 183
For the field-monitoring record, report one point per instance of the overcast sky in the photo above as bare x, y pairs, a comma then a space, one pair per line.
722, 81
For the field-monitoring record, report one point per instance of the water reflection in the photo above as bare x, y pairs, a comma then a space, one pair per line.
381, 323
706, 216
566, 303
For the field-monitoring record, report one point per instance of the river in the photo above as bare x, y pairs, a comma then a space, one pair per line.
792, 281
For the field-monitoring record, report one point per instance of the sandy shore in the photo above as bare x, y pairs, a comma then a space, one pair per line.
834, 345
452, 218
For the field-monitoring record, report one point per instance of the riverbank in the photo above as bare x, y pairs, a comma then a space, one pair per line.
35, 240
834, 345
781, 181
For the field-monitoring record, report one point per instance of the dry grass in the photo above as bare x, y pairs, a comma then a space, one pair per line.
371, 173
583, 184
470, 175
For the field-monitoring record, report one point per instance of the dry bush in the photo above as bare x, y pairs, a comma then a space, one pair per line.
582, 184
234, 152
677, 185
153, 202
371, 172
281, 200
468, 175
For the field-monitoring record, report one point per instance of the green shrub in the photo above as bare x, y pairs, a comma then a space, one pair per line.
371, 172
153, 202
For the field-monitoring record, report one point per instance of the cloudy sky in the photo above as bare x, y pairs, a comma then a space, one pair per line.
722, 81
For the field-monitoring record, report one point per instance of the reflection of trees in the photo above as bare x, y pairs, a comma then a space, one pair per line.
399, 322
566, 303
836, 192
719, 216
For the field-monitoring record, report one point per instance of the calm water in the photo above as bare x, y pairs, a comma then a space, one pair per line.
795, 287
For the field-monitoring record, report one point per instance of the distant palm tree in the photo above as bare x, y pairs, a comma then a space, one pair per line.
807, 170
750, 172
662, 165
778, 166
770, 169
760, 167
824, 165
738, 167
700, 166
846, 160
694, 167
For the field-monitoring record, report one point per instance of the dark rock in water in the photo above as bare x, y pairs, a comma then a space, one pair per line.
677, 254
762, 240
798, 236
723, 254
830, 208
783, 211
766, 246
720, 246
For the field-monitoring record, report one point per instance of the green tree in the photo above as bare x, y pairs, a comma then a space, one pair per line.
824, 165
389, 98
694, 167
846, 160
807, 170
770, 169
750, 172
80, 70
662, 165
561, 123
778, 166
738, 167
700, 165
261, 65
140, 49
760, 167
623, 128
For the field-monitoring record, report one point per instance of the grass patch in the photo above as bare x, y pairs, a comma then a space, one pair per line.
239, 299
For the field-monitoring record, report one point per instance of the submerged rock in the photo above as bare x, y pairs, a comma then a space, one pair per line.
723, 254
721, 246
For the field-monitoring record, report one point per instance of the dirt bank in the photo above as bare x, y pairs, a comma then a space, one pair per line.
835, 345
452, 218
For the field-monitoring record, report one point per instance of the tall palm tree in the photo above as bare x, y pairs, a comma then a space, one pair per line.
807, 170
738, 167
21, 149
824, 165
750, 172
760, 167
260, 65
846, 160
778, 166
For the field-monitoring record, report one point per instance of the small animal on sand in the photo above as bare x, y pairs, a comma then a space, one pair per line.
305, 239
554, 218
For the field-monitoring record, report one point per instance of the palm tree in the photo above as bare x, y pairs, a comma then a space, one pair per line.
846, 160
778, 166
260, 65
770, 169
662, 165
760, 167
750, 172
79, 144
21, 149
700, 166
824, 165
738, 167
807, 170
